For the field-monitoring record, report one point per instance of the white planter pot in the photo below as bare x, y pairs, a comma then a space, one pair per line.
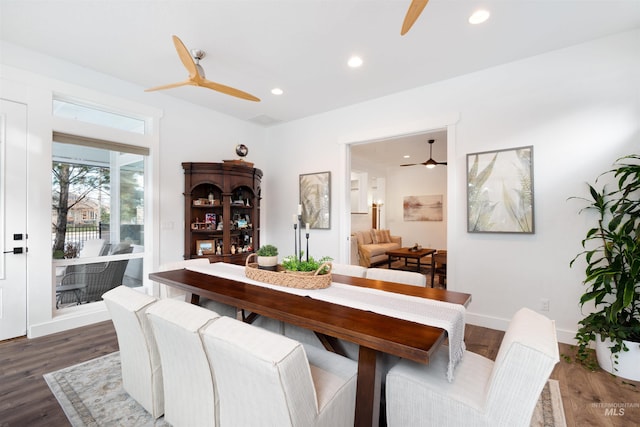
268, 262
628, 361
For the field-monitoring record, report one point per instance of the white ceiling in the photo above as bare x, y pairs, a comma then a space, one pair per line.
376, 157
302, 46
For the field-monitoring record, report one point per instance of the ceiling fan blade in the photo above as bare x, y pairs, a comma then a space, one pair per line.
170, 86
415, 9
410, 164
227, 90
185, 57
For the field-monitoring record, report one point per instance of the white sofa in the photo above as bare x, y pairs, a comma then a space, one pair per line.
372, 252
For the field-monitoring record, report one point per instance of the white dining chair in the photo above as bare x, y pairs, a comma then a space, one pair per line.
189, 392
139, 357
397, 276
171, 292
348, 269
483, 392
266, 379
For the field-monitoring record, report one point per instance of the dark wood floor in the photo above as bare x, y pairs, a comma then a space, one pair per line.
25, 399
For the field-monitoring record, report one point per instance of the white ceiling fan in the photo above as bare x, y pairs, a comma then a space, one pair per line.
196, 74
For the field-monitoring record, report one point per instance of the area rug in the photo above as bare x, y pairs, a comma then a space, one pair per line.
91, 394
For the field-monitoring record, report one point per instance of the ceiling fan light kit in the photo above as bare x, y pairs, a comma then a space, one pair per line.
430, 164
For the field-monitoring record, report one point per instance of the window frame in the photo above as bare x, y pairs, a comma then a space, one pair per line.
148, 141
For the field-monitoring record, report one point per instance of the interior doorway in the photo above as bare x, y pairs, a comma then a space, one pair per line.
381, 186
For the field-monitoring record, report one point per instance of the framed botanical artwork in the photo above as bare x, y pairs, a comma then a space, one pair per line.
500, 191
315, 199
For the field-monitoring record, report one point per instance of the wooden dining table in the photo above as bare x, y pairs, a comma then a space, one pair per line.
374, 333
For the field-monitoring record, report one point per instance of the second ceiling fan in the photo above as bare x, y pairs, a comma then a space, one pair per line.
429, 163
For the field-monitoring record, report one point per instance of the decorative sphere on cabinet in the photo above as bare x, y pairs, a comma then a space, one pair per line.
242, 150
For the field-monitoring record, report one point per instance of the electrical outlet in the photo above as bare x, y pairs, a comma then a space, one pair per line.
544, 304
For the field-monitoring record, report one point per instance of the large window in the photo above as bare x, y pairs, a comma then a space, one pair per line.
97, 233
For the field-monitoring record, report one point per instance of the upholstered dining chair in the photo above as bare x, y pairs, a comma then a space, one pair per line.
167, 291
266, 379
189, 394
139, 357
348, 269
218, 307
483, 392
398, 276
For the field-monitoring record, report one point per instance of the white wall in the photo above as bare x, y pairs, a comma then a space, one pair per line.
578, 107
416, 181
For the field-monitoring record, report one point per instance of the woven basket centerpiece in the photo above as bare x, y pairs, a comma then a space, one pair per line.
288, 278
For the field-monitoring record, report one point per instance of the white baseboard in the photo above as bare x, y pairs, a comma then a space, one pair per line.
70, 318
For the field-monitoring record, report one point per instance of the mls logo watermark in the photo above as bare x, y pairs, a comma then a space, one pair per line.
616, 412
615, 409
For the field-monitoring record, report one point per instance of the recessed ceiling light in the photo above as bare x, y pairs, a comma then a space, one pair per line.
277, 91
479, 16
354, 62
406, 156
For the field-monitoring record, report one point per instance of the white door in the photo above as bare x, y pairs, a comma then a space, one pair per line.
13, 213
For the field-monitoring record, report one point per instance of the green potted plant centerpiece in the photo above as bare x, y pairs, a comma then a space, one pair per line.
267, 257
612, 255
306, 264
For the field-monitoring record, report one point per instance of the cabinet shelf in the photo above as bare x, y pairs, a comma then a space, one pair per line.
226, 183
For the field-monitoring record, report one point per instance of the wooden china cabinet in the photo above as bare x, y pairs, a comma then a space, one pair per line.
221, 210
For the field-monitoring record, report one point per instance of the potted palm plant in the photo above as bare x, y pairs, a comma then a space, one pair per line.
267, 257
612, 255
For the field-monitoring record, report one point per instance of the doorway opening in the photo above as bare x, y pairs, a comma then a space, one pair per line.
391, 186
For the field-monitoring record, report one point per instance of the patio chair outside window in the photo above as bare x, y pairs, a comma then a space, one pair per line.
87, 283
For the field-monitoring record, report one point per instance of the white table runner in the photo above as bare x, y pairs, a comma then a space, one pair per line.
447, 316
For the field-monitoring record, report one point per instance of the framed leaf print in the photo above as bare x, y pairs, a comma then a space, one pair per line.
500, 191
315, 198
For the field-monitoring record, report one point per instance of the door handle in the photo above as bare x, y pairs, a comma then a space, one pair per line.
15, 251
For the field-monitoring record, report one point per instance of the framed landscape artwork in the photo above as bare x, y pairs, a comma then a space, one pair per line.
500, 191
422, 208
315, 198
